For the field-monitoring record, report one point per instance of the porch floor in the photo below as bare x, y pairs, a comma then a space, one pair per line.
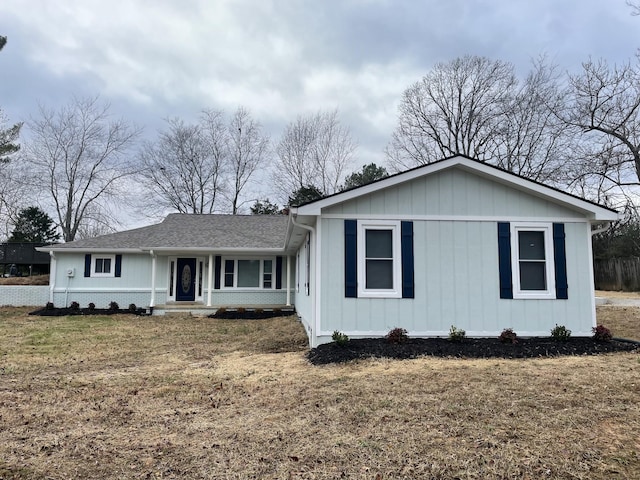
200, 309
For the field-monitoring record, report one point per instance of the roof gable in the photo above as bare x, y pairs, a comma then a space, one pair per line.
496, 175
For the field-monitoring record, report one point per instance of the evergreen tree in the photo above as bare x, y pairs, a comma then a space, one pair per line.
34, 226
369, 173
304, 195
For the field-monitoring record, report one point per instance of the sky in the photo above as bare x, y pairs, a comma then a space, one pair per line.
156, 59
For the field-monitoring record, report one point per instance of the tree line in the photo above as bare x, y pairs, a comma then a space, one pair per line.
579, 132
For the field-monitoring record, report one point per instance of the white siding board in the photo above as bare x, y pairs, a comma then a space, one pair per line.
453, 192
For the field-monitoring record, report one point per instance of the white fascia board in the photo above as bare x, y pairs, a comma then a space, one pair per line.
88, 250
213, 250
593, 211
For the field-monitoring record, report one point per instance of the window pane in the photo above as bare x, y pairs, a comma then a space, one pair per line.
379, 244
98, 265
106, 266
228, 273
379, 274
532, 276
248, 273
267, 266
531, 245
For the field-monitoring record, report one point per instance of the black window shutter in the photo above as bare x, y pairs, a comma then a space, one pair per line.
560, 261
350, 258
406, 243
504, 259
87, 265
278, 273
216, 272
118, 269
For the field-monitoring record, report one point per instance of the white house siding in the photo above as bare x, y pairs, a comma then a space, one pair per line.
455, 263
303, 301
133, 286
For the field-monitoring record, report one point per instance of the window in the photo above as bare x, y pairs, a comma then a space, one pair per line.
103, 266
248, 273
532, 260
379, 262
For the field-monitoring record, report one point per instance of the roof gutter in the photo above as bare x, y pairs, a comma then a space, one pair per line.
601, 229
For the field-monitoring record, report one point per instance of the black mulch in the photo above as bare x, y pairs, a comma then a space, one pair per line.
469, 348
60, 312
254, 314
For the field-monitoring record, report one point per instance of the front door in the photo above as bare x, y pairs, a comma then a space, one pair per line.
186, 280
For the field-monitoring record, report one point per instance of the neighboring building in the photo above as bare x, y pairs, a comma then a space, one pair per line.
456, 242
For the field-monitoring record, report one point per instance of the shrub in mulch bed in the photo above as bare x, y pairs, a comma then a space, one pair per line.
250, 314
469, 348
60, 312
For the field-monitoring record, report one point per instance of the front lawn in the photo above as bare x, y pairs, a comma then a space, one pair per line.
158, 397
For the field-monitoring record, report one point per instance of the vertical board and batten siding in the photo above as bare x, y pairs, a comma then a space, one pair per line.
455, 263
304, 302
133, 285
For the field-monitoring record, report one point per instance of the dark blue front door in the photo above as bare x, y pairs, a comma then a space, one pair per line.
186, 280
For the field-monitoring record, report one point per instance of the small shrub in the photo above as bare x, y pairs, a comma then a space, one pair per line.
132, 307
397, 335
221, 311
113, 306
241, 310
456, 334
508, 336
277, 312
560, 333
340, 338
601, 334
49, 306
74, 307
92, 306
259, 311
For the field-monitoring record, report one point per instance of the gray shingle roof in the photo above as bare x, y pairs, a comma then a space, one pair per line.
190, 231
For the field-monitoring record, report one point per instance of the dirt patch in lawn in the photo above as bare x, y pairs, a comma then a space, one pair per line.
129, 397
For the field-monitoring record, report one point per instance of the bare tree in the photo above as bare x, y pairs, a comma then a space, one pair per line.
457, 108
604, 106
182, 168
79, 156
314, 151
247, 149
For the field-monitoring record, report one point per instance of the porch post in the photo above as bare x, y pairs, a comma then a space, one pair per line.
288, 280
152, 302
210, 280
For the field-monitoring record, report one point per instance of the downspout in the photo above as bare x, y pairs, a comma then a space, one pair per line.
152, 301
312, 231
601, 229
288, 280
52, 275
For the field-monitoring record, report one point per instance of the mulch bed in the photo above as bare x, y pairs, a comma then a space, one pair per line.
469, 348
251, 314
60, 312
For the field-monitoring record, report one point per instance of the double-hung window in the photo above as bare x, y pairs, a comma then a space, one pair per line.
379, 259
532, 260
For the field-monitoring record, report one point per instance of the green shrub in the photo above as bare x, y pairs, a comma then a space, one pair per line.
456, 334
74, 307
49, 306
113, 306
601, 334
132, 307
397, 335
340, 338
508, 336
560, 333
91, 306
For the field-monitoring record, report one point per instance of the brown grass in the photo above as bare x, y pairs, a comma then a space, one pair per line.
32, 280
159, 397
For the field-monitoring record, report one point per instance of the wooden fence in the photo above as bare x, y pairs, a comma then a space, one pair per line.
617, 274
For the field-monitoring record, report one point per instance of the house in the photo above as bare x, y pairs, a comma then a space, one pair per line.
457, 242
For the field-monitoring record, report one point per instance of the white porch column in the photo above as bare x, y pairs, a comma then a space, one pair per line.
52, 275
288, 280
210, 280
152, 302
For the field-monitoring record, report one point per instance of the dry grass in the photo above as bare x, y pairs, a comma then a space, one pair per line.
32, 280
158, 397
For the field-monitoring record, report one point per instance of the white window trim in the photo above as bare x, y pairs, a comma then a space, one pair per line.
547, 229
235, 274
394, 226
95, 257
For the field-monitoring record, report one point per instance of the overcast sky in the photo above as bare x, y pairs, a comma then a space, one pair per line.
153, 59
